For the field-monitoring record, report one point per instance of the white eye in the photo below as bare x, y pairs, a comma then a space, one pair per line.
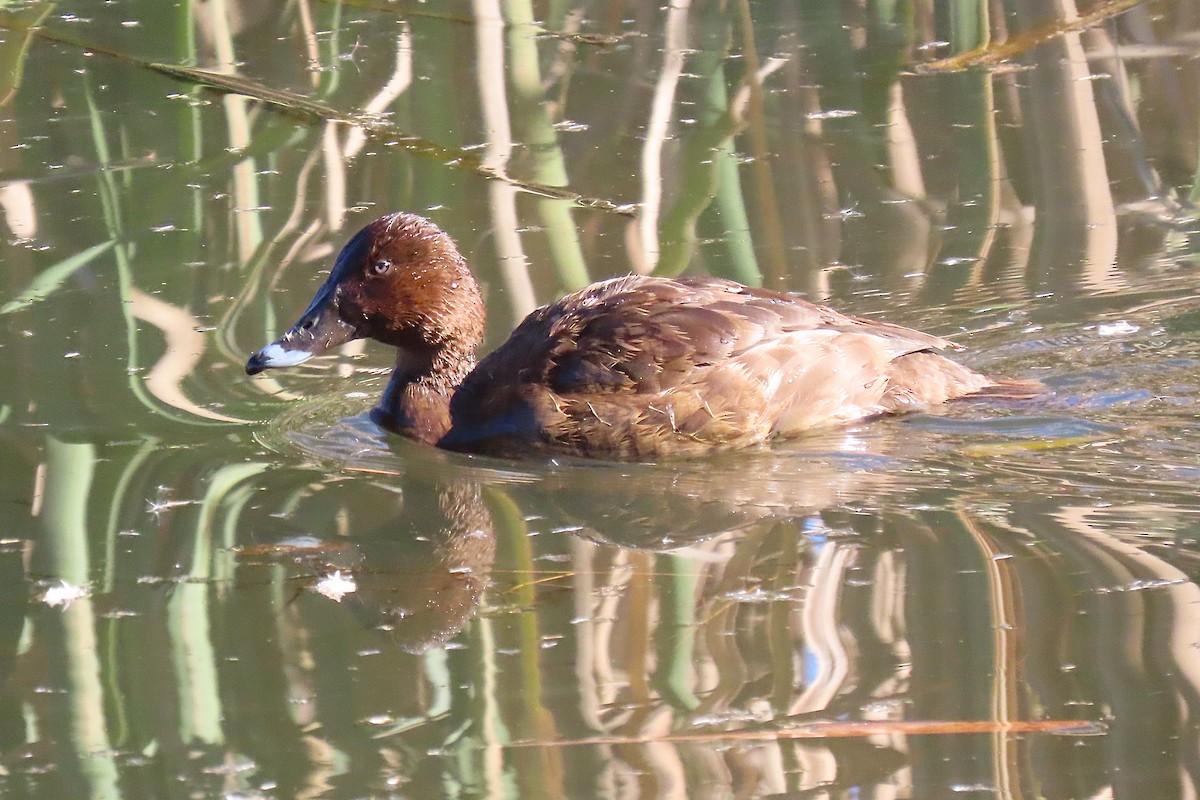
381, 267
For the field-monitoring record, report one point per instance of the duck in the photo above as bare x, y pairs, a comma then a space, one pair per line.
637, 367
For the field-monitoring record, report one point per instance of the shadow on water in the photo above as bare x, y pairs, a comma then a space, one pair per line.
223, 586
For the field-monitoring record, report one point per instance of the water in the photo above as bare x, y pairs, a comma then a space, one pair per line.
218, 586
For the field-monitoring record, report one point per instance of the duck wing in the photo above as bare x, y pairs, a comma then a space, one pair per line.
642, 366
647, 335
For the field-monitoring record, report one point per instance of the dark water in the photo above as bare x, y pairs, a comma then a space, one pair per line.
218, 586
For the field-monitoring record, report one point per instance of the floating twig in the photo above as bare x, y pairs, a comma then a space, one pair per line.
375, 127
846, 730
1025, 41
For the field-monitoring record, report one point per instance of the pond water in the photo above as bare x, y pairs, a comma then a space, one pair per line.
225, 586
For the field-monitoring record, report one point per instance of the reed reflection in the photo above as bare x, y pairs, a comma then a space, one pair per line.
1047, 176
693, 661
565, 629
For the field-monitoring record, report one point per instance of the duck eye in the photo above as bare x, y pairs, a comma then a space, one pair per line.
381, 267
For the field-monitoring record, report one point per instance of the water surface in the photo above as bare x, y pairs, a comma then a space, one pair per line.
223, 586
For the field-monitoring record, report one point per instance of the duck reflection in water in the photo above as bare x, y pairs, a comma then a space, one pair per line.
646, 506
636, 367
417, 576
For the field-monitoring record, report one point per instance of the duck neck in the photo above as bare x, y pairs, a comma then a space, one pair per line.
416, 402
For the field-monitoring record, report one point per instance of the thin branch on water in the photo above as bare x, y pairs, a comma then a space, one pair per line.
502, 200
12, 56
992, 55
374, 127
846, 730
570, 35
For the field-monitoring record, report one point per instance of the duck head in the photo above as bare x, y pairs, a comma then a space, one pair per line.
401, 281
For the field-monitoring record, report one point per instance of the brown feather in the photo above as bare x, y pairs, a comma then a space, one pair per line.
641, 367
633, 367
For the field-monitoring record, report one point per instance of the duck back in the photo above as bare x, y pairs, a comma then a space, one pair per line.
644, 367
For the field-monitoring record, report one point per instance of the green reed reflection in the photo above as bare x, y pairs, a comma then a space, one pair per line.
53, 277
710, 168
63, 553
994, 599
15, 51
735, 634
536, 129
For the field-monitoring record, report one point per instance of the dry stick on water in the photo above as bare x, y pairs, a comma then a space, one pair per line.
602, 40
846, 730
375, 127
1027, 40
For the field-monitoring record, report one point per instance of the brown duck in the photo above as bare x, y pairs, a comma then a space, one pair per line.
636, 367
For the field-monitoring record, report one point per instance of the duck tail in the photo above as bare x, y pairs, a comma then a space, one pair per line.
1012, 390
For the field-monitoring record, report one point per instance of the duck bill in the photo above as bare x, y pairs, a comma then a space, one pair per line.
319, 328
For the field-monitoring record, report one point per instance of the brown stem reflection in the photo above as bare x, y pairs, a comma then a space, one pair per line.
296, 607
840, 639
882, 614
1076, 237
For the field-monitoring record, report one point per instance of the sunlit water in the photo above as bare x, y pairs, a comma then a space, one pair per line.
218, 586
